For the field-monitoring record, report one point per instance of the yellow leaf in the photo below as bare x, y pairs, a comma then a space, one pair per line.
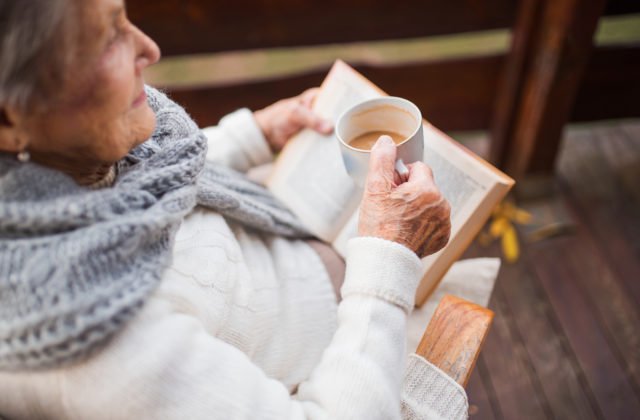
510, 247
522, 217
498, 226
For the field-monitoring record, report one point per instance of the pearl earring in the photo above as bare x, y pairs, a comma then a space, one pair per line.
24, 156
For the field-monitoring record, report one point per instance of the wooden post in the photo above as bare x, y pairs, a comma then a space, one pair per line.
551, 44
454, 337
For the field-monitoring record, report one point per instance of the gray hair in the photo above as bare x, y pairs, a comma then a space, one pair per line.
28, 51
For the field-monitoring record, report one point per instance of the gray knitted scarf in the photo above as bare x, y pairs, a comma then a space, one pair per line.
76, 264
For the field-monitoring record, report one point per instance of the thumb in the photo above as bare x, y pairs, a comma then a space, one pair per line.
382, 163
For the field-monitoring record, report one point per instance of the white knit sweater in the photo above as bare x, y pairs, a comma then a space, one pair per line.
245, 325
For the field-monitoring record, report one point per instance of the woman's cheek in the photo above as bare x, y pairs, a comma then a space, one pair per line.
118, 76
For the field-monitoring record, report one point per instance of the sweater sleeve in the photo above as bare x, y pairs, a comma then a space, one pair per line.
238, 142
165, 364
429, 393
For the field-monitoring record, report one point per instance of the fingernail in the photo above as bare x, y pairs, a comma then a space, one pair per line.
326, 126
384, 141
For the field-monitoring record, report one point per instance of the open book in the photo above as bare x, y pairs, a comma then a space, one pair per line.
310, 178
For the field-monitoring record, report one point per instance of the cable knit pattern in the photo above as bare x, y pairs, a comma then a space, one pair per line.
428, 393
76, 264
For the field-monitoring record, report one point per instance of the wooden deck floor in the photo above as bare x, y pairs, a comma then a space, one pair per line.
565, 343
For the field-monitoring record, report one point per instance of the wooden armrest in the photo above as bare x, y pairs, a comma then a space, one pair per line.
454, 337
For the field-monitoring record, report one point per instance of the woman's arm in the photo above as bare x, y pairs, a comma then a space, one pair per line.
237, 141
166, 365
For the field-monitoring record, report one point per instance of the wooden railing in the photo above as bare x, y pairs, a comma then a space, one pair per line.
550, 68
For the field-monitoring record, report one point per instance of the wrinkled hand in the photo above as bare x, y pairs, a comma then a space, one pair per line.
413, 213
280, 121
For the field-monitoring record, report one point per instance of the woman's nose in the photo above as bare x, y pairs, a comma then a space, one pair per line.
148, 51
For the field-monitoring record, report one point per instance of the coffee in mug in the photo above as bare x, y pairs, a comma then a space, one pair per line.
366, 140
359, 127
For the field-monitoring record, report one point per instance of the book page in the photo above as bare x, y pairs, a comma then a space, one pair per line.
462, 185
472, 187
309, 176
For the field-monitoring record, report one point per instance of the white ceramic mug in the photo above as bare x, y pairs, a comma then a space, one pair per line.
388, 113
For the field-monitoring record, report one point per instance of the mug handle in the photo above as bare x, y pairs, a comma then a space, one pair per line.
402, 170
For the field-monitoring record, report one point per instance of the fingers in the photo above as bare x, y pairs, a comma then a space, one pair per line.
308, 96
382, 171
419, 172
397, 178
308, 118
305, 117
421, 179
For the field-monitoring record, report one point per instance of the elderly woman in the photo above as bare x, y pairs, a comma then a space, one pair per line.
142, 278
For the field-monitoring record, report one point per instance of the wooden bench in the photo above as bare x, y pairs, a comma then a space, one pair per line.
454, 337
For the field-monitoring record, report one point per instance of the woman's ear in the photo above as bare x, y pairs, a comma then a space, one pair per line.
4, 119
9, 140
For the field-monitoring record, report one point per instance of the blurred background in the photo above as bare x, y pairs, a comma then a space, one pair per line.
547, 90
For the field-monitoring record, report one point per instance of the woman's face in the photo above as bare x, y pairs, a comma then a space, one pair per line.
101, 112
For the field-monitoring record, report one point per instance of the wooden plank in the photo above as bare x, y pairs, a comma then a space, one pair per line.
559, 263
453, 95
621, 149
560, 45
483, 403
512, 78
588, 176
622, 156
480, 406
510, 372
192, 26
454, 337
555, 366
556, 369
631, 132
615, 309
611, 237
